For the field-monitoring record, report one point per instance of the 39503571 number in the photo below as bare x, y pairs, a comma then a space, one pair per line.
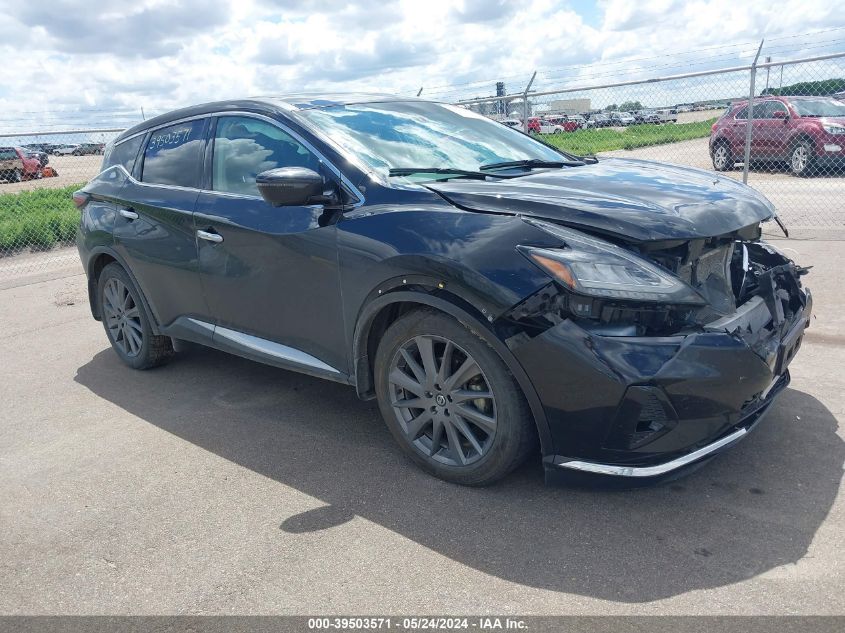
169, 139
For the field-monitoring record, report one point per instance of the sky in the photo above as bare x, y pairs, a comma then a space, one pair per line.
77, 63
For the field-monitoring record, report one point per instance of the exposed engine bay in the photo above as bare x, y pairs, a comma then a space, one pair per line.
751, 290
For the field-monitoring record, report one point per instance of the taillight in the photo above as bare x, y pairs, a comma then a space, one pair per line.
80, 199
712, 128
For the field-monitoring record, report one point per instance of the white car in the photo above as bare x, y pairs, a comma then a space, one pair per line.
65, 150
550, 127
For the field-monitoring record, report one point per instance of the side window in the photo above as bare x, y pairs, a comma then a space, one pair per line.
173, 155
123, 153
772, 107
742, 114
244, 147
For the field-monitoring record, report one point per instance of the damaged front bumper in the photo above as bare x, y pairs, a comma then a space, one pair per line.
645, 407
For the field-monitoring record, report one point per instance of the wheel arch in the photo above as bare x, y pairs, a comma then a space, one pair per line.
381, 312
97, 261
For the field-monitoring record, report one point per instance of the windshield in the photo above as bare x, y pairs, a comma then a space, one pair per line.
423, 134
819, 107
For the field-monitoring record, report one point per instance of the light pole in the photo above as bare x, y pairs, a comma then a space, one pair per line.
768, 60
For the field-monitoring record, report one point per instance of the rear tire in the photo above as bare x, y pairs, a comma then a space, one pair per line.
722, 158
126, 322
17, 176
427, 367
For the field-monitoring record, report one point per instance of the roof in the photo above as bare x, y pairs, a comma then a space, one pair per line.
267, 104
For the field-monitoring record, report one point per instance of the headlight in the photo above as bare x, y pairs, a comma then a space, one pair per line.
597, 268
833, 128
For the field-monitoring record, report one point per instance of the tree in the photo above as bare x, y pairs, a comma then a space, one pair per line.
628, 106
610, 108
809, 88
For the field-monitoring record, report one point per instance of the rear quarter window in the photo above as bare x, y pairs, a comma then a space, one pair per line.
172, 155
123, 153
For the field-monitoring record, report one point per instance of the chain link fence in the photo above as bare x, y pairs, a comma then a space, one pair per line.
38, 173
790, 145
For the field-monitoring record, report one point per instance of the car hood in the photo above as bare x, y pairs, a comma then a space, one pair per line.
633, 199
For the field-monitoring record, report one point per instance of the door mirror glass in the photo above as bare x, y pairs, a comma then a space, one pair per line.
291, 187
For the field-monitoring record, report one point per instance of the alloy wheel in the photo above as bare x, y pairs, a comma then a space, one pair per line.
123, 318
720, 157
442, 400
800, 158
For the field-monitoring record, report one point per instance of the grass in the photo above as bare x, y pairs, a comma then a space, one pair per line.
41, 219
583, 142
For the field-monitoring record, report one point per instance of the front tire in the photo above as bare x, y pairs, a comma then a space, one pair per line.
801, 159
450, 401
126, 322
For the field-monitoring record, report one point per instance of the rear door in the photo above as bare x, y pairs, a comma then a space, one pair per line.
269, 272
736, 132
774, 130
154, 230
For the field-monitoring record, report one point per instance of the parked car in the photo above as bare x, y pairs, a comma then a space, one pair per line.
655, 116
17, 165
622, 118
40, 156
578, 119
808, 133
561, 123
497, 296
516, 124
553, 125
534, 124
685, 108
66, 150
597, 121
89, 148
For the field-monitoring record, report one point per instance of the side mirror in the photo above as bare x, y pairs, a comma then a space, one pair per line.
292, 187
780, 114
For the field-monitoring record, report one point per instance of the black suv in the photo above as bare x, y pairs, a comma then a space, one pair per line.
497, 295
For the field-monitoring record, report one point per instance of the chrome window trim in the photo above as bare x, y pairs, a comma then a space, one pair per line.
347, 184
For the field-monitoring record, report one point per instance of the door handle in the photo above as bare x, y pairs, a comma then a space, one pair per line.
210, 237
129, 214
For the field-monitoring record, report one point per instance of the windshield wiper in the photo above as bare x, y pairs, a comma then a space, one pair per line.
462, 173
533, 162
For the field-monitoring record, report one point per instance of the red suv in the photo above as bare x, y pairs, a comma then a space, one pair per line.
806, 132
16, 165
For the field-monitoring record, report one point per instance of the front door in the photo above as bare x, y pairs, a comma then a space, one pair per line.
270, 272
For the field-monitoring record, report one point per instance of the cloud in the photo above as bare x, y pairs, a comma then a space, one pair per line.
151, 30
80, 62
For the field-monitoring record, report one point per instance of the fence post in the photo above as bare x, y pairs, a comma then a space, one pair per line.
525, 104
749, 121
